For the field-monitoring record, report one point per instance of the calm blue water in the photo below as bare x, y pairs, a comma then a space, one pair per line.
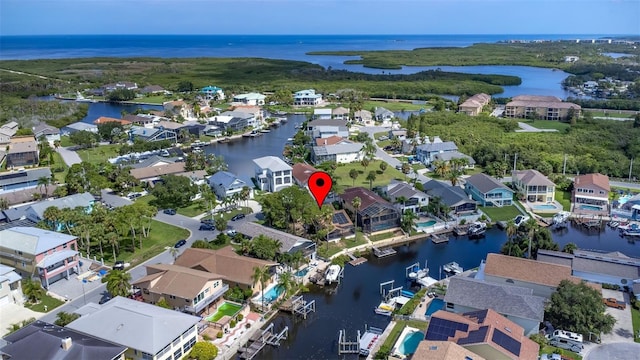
410, 343
273, 293
544, 207
434, 305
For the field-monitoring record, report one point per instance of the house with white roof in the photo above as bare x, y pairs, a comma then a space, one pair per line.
322, 114
225, 184
249, 99
234, 120
10, 285
47, 254
307, 98
35, 212
150, 332
272, 173
7, 131
342, 153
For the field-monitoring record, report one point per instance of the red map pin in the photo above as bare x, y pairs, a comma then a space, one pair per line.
320, 184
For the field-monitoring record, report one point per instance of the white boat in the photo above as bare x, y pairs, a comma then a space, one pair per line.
453, 268
80, 98
419, 274
477, 228
520, 220
561, 217
385, 309
332, 273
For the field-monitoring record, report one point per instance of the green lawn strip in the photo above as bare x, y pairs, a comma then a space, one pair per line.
381, 133
382, 178
397, 329
99, 154
394, 105
611, 113
65, 141
504, 213
46, 300
328, 249
547, 124
635, 320
382, 144
58, 163
383, 236
355, 241
548, 349
154, 99
564, 198
194, 209
228, 215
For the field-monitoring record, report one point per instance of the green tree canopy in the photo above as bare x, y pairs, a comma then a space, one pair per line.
203, 350
84, 138
64, 318
173, 192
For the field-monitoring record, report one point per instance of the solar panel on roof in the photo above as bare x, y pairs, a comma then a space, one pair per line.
476, 336
506, 341
340, 218
441, 329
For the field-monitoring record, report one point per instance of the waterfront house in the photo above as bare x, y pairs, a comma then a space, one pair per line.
398, 134
443, 350
363, 117
342, 226
272, 173
334, 127
150, 332
307, 98
533, 186
184, 289
488, 191
153, 160
332, 140
405, 197
473, 105
485, 332
340, 113
79, 126
322, 114
35, 212
177, 107
144, 120
105, 120
540, 107
256, 118
301, 173
596, 267
518, 304
342, 153
254, 99
235, 270
7, 131
426, 152
22, 179
159, 133
212, 93
153, 89
23, 151
127, 85
232, 120
151, 173
453, 197
591, 193
383, 115
41, 340
374, 214
448, 156
10, 286
289, 243
51, 134
225, 184
46, 254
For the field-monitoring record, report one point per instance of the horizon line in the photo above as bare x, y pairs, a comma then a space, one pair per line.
408, 34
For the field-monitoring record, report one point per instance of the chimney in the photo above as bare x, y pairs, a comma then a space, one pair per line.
66, 343
325, 141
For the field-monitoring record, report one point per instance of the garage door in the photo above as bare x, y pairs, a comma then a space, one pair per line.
4, 300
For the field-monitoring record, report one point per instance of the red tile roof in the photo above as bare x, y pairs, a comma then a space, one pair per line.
301, 172
105, 119
599, 180
367, 197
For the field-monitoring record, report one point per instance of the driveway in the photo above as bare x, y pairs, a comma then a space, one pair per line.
69, 156
623, 329
614, 351
12, 314
528, 128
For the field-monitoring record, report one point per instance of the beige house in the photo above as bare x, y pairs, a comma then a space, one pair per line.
591, 193
473, 105
541, 107
534, 186
363, 117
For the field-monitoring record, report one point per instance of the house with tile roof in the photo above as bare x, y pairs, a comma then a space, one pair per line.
453, 197
540, 107
23, 151
405, 197
591, 194
518, 304
272, 173
488, 191
443, 350
149, 332
289, 243
374, 214
105, 119
307, 97
484, 332
234, 269
363, 117
533, 186
473, 105
301, 173
47, 254
225, 184
185, 289
57, 342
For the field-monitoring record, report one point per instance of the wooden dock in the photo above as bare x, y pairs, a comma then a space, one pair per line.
383, 252
439, 238
461, 230
356, 261
261, 339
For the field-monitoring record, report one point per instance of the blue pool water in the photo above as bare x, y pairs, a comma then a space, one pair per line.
623, 199
589, 207
543, 207
303, 272
426, 223
434, 305
273, 293
410, 343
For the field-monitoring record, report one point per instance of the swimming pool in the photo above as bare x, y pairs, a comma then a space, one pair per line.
270, 295
226, 308
302, 272
426, 223
589, 207
410, 342
623, 199
434, 305
543, 207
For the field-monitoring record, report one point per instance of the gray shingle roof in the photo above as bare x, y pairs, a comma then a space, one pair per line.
32, 240
326, 122
396, 190
450, 155
504, 299
532, 177
337, 149
287, 240
71, 201
449, 195
485, 183
439, 146
223, 178
272, 163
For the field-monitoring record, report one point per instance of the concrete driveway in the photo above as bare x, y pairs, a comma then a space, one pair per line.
614, 351
623, 329
12, 314
69, 156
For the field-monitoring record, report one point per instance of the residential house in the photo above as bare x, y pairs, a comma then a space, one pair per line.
383, 115
301, 173
307, 98
426, 152
120, 85
257, 117
405, 197
340, 113
154, 134
21, 179
341, 153
332, 140
272, 173
448, 156
325, 131
212, 93
7, 131
398, 134
225, 184
533, 186
153, 89
184, 289
374, 213
47, 254
41, 340
23, 151
591, 193
149, 332
235, 270
473, 105
50, 133
178, 107
105, 119
254, 99
153, 160
322, 114
10, 286
152, 173
143, 120
35, 212
485, 333
453, 197
363, 117
488, 191
289, 243
212, 130
518, 304
314, 125
239, 119
342, 226
541, 107
443, 350
596, 267
79, 126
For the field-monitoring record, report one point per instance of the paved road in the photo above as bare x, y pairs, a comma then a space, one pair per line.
528, 128
614, 351
70, 157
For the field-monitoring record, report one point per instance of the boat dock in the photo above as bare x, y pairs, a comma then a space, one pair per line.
439, 238
252, 134
297, 305
356, 261
461, 230
383, 252
261, 339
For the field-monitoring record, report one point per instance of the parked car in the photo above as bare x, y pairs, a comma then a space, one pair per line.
237, 217
119, 265
399, 167
612, 302
104, 299
231, 232
207, 221
169, 211
180, 243
550, 357
207, 227
383, 138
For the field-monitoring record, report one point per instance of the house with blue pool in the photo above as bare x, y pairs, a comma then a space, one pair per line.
488, 191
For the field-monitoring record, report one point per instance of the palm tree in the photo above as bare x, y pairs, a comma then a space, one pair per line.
286, 281
401, 200
118, 282
353, 174
407, 220
4, 204
174, 253
454, 177
570, 248
44, 182
356, 202
533, 226
33, 290
245, 247
441, 168
245, 193
113, 240
383, 166
364, 162
371, 177
512, 230
261, 275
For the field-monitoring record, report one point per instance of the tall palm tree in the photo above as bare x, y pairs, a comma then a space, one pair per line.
512, 230
353, 174
371, 177
286, 281
261, 275
174, 253
533, 226
44, 182
356, 202
401, 200
118, 282
113, 240
441, 168
454, 177
245, 193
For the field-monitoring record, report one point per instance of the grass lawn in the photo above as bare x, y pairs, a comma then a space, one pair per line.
548, 349
384, 143
194, 209
59, 163
382, 178
154, 99
48, 301
635, 320
547, 124
564, 198
99, 154
504, 213
228, 215
611, 113
65, 141
381, 133
355, 241
326, 250
394, 105
385, 235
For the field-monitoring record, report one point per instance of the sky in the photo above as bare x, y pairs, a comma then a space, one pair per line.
303, 17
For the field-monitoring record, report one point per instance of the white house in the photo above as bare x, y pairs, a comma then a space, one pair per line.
249, 99
307, 98
405, 197
50, 133
225, 184
341, 153
10, 286
534, 186
272, 173
363, 116
384, 116
322, 114
340, 113
212, 92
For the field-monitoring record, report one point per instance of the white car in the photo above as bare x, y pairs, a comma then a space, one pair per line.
550, 357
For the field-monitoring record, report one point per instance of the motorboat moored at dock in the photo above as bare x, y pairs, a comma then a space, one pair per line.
453, 268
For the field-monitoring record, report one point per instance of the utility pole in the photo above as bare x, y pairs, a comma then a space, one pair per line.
515, 158
630, 169
564, 166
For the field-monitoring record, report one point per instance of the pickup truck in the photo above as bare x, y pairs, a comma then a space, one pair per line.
611, 302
